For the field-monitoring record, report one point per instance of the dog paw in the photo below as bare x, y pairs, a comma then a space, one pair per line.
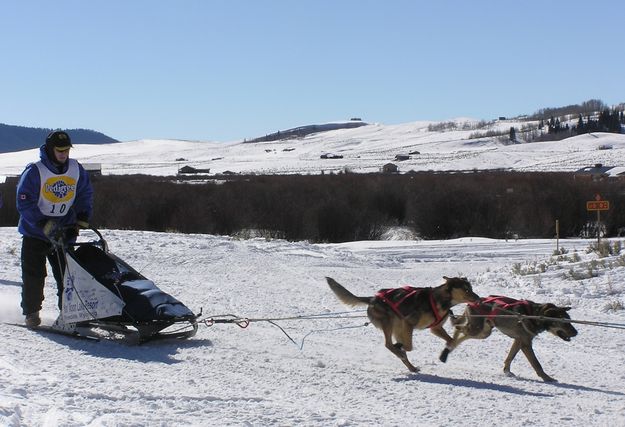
509, 374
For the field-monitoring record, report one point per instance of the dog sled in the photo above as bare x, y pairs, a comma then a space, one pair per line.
102, 292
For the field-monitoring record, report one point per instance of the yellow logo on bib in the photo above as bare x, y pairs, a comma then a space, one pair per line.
59, 189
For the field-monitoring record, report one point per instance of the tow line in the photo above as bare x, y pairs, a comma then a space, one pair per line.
244, 322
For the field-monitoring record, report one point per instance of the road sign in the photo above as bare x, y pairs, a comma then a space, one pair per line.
597, 205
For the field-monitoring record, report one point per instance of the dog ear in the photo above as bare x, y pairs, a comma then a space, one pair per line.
546, 308
550, 306
552, 310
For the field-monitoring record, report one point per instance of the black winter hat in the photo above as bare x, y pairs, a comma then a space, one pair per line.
59, 140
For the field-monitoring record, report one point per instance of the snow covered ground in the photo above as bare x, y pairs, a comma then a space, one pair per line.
364, 149
337, 373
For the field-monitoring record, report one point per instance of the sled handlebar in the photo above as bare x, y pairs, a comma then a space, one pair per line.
101, 240
59, 239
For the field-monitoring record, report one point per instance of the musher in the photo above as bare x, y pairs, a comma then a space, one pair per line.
54, 195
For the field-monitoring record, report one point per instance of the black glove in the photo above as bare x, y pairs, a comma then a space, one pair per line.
71, 233
82, 219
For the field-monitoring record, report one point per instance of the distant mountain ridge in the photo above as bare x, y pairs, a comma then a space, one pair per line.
17, 138
302, 131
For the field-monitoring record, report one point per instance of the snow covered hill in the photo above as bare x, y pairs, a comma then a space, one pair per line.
337, 371
363, 149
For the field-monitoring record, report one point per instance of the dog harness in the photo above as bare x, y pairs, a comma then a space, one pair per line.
395, 297
493, 303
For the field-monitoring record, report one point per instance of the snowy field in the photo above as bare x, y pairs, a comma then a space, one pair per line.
365, 149
337, 371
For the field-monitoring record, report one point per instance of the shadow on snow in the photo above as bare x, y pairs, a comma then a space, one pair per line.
434, 379
161, 351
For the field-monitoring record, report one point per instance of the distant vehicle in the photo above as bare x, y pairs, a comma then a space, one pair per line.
331, 156
604, 147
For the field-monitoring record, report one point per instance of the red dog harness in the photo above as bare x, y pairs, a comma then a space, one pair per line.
493, 303
395, 297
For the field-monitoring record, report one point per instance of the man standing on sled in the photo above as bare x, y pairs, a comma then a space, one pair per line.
54, 195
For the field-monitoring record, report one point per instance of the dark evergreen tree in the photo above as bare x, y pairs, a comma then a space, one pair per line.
609, 121
580, 125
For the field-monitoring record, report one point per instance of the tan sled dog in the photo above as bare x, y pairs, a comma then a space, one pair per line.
398, 312
480, 318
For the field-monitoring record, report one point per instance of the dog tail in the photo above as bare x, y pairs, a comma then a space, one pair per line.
345, 296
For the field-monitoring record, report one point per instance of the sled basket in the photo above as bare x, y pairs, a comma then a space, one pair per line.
101, 290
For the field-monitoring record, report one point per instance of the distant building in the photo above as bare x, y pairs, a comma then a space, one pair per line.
188, 170
390, 168
331, 156
402, 157
93, 169
596, 173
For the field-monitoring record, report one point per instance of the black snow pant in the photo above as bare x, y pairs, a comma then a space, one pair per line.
34, 254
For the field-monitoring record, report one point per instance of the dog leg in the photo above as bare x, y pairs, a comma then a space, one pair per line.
397, 348
467, 333
440, 332
444, 354
455, 342
531, 357
403, 335
516, 346
399, 352
466, 327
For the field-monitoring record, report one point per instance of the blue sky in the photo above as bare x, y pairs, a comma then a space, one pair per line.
226, 70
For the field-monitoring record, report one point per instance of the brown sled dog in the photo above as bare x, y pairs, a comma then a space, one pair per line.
398, 312
500, 312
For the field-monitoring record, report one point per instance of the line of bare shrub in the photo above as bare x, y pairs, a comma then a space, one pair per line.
346, 207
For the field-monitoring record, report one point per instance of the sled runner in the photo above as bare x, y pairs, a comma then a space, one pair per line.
80, 333
102, 291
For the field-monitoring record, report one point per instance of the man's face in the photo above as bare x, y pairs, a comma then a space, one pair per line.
61, 156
